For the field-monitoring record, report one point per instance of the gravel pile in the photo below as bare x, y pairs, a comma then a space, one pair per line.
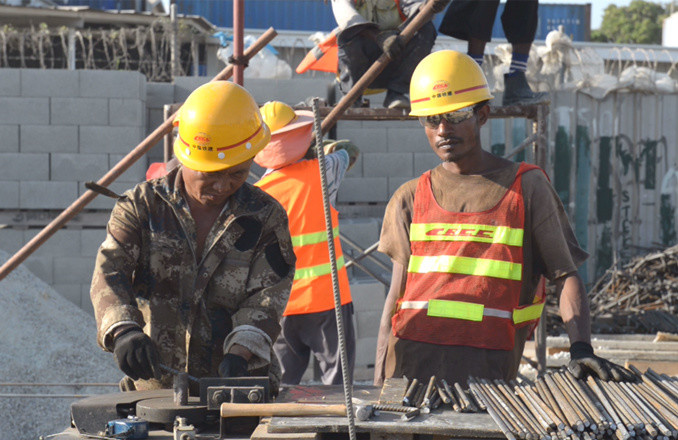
44, 338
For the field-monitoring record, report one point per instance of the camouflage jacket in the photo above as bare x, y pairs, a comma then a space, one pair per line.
146, 273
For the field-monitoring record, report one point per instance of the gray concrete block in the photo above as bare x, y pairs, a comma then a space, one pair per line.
9, 195
73, 270
112, 84
365, 351
10, 138
357, 168
70, 291
374, 189
368, 295
64, 242
424, 162
367, 323
387, 164
79, 111
11, 240
407, 140
370, 139
159, 94
85, 300
52, 82
362, 231
126, 112
104, 139
103, 202
47, 195
78, 167
154, 117
349, 125
184, 85
135, 173
291, 91
41, 267
49, 139
10, 82
90, 240
24, 110
24, 166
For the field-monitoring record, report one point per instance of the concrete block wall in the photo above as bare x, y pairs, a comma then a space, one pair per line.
59, 129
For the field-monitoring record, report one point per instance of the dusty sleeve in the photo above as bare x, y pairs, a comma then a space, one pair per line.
111, 290
256, 322
395, 230
553, 238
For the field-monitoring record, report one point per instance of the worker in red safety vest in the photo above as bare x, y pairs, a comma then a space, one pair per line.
293, 178
471, 241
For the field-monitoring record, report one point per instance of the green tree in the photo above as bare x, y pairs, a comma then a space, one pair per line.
638, 23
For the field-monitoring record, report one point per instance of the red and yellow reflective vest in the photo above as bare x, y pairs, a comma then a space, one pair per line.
465, 273
297, 188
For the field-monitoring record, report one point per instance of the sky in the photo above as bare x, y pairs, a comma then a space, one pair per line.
598, 7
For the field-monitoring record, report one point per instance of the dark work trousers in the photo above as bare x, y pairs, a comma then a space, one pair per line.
315, 333
358, 53
465, 19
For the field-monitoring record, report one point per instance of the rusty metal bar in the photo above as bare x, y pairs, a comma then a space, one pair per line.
513, 415
500, 419
117, 170
238, 40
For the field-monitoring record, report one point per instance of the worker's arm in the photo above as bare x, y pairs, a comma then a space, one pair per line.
576, 315
396, 291
256, 322
346, 15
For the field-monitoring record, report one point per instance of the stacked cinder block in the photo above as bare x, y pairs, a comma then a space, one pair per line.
59, 129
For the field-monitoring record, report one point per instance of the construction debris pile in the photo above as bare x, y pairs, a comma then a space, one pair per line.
639, 297
559, 406
49, 357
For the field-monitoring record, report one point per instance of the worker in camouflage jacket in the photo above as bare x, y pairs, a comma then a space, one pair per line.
197, 266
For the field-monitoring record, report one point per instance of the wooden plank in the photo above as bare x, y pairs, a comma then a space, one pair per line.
393, 391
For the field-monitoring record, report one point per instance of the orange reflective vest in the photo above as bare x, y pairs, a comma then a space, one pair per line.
297, 188
465, 273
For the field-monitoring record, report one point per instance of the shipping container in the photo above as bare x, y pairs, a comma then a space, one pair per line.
316, 15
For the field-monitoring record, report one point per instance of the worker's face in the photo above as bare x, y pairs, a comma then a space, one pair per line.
457, 140
213, 189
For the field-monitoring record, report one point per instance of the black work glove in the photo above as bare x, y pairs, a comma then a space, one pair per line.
233, 366
584, 363
136, 354
391, 44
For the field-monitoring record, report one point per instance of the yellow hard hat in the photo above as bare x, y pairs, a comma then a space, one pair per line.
445, 81
220, 126
281, 117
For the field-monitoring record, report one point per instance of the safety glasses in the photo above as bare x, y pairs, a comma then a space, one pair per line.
454, 117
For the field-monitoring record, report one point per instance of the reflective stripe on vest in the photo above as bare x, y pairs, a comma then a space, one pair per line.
466, 232
316, 271
312, 238
473, 312
465, 266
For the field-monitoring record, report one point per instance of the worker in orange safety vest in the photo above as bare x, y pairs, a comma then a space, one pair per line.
293, 178
471, 241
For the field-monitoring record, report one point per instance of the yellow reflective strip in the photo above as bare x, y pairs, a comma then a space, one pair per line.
528, 313
466, 232
316, 271
312, 238
455, 309
466, 266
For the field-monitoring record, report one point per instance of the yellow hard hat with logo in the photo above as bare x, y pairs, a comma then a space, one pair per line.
445, 81
220, 126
